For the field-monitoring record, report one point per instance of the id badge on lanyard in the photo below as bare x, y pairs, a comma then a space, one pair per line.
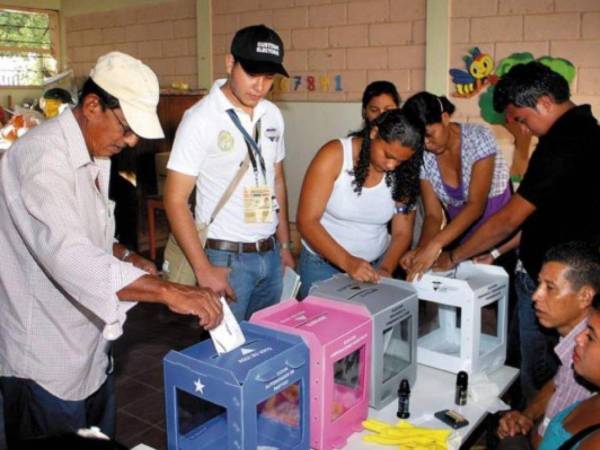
259, 200
258, 204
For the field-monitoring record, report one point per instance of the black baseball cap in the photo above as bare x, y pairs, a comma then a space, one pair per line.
259, 49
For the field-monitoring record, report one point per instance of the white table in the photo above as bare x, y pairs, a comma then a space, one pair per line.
434, 391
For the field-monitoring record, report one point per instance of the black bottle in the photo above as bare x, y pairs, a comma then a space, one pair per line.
462, 382
403, 399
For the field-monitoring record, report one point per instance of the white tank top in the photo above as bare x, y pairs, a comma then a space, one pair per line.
358, 222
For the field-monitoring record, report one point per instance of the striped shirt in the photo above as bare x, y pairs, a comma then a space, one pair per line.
568, 390
58, 276
476, 143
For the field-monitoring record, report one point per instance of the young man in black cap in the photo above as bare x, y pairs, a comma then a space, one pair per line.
248, 240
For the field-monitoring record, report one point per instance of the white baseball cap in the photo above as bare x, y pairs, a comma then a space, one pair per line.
135, 85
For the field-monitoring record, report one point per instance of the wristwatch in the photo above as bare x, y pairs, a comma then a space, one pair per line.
287, 245
495, 253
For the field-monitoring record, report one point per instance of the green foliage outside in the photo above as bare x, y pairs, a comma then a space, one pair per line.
29, 31
486, 99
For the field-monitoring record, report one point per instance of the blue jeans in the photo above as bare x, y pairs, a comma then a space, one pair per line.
312, 268
256, 278
32, 412
538, 360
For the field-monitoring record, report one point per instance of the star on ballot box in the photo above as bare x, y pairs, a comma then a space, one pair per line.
463, 318
339, 338
254, 396
393, 306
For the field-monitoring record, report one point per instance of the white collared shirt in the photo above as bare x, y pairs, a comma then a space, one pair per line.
58, 276
210, 147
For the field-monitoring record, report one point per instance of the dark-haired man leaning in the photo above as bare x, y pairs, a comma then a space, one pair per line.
64, 282
556, 202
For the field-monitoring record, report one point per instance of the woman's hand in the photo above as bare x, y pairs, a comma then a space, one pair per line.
423, 259
407, 260
384, 272
361, 270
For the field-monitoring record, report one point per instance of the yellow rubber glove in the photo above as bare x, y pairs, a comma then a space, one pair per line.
406, 435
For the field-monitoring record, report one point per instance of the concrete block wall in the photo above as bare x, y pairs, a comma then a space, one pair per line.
361, 40
560, 28
163, 35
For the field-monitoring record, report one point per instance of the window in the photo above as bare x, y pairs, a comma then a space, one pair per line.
29, 46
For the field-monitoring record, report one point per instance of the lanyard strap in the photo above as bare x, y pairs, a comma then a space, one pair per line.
252, 146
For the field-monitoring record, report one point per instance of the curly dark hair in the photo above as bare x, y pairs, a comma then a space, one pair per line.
524, 84
394, 125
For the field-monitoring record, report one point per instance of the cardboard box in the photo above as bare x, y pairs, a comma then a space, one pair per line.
339, 338
393, 306
255, 395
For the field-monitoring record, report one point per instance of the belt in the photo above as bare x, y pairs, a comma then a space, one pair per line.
263, 245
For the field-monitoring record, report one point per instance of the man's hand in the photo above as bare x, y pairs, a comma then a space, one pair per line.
287, 259
484, 258
142, 263
361, 270
216, 278
513, 423
198, 301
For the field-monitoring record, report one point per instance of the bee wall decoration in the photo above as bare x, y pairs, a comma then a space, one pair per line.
480, 72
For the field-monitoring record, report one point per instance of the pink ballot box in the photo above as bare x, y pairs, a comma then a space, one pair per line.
338, 336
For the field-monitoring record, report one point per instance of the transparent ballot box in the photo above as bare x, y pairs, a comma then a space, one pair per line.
393, 306
463, 318
339, 339
254, 396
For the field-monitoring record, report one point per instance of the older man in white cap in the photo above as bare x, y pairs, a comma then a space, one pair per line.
65, 285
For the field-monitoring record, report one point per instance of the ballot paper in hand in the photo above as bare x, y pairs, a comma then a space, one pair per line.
291, 284
228, 335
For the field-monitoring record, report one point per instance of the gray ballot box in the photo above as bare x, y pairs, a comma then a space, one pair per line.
393, 306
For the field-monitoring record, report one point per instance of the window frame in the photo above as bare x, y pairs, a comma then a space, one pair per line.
55, 42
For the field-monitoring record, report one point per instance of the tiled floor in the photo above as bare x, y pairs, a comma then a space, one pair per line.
150, 332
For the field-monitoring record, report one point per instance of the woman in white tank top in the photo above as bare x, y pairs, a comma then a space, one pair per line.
352, 189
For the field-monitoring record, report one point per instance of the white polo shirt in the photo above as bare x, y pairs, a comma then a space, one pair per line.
210, 147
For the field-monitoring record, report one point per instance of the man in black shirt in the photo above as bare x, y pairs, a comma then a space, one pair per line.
558, 200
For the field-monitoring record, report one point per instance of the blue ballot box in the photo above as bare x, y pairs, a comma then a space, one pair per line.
254, 396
